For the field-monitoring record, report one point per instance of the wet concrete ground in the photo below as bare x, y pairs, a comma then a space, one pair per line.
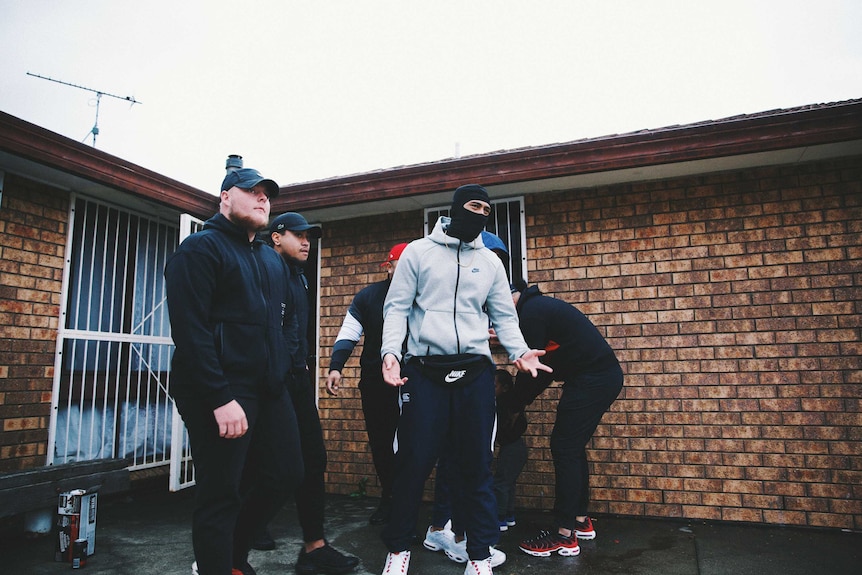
149, 532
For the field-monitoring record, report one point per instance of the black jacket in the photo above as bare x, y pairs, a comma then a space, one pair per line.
572, 342
367, 309
232, 316
299, 292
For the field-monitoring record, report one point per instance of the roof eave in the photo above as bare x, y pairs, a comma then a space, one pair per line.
782, 129
45, 148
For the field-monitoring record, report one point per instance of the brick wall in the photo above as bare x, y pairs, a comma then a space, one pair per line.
350, 260
734, 301
32, 242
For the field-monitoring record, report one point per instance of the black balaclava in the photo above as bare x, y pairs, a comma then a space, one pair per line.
466, 225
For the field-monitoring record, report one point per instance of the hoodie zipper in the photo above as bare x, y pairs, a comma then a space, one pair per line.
264, 285
455, 303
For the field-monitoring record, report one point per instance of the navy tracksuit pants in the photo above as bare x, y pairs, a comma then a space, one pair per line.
460, 419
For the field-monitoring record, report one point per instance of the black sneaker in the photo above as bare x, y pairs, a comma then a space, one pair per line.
326, 560
584, 529
263, 541
547, 542
384, 510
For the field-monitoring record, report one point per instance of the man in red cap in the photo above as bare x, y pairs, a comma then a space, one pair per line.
379, 400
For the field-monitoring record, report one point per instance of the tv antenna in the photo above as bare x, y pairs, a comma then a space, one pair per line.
99, 93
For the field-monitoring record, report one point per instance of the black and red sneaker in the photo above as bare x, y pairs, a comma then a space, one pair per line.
546, 543
584, 529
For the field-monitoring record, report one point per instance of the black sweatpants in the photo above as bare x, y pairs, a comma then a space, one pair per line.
311, 493
240, 484
584, 400
510, 462
380, 408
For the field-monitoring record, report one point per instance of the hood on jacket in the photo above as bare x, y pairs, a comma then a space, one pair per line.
439, 235
527, 293
221, 223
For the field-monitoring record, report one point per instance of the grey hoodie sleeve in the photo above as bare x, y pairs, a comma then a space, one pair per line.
504, 317
399, 302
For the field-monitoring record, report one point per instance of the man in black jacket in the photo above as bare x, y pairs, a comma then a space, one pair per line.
290, 234
379, 400
592, 379
234, 329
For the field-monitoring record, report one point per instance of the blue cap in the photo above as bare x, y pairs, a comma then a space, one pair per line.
247, 178
492, 242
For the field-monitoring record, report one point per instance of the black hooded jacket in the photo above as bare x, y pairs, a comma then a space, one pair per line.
232, 316
572, 342
299, 291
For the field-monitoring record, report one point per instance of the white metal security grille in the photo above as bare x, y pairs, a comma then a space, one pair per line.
112, 371
182, 471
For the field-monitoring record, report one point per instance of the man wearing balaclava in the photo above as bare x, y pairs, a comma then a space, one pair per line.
467, 223
448, 288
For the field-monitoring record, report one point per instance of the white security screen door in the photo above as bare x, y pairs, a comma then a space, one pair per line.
182, 473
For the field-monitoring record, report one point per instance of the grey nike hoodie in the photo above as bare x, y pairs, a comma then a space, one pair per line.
443, 294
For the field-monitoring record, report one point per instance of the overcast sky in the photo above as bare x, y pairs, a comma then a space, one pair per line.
317, 89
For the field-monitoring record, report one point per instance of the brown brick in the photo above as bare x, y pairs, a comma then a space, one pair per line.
784, 517
742, 514
701, 512
830, 520
807, 475
722, 499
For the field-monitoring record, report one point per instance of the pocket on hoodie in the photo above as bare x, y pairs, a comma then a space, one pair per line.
440, 329
242, 348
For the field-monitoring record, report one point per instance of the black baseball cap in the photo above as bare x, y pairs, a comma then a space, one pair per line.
295, 223
247, 178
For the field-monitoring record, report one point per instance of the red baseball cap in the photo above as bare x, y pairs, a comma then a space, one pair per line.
394, 253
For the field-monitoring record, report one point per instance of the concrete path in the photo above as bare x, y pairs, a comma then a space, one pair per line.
149, 533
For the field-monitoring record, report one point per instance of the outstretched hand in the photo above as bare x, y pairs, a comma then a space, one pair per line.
529, 362
392, 371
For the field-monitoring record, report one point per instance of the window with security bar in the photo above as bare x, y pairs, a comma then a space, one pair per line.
111, 386
507, 222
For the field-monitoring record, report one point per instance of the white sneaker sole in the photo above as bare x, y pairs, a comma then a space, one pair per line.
455, 557
497, 557
586, 536
564, 551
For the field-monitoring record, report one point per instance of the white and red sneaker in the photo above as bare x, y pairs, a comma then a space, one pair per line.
584, 529
482, 567
548, 542
397, 563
